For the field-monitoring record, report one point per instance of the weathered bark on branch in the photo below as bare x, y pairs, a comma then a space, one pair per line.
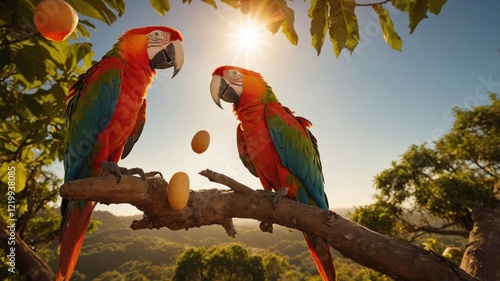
27, 262
397, 259
482, 254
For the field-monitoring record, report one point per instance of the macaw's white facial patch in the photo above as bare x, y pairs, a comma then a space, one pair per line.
157, 40
234, 79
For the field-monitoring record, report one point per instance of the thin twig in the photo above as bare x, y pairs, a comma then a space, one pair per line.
227, 181
373, 4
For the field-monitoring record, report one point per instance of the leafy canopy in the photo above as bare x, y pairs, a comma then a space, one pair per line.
443, 181
231, 262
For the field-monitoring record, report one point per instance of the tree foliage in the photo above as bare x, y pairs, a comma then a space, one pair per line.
231, 262
440, 183
337, 18
449, 187
135, 270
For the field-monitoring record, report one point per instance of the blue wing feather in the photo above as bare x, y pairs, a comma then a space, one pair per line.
89, 111
297, 151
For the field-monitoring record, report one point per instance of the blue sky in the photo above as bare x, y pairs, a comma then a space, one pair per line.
366, 108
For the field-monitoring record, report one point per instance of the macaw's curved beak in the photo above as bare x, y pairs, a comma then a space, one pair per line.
172, 55
220, 89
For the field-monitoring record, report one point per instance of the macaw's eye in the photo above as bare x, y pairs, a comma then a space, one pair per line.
157, 34
231, 74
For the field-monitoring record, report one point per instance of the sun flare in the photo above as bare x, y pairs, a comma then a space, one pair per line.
249, 36
248, 40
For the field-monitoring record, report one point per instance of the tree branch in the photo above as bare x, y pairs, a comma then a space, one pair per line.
437, 230
475, 160
397, 259
19, 149
23, 259
372, 4
23, 35
5, 139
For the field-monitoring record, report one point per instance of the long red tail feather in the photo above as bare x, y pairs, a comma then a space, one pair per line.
75, 227
320, 251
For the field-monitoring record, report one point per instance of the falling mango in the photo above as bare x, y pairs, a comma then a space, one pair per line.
200, 141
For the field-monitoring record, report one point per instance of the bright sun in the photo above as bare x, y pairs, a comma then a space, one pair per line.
248, 40
249, 36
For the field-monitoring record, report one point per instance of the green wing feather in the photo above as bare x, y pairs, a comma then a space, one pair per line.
91, 106
298, 151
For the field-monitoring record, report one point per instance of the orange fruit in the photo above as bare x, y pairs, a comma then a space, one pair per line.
200, 141
178, 191
55, 19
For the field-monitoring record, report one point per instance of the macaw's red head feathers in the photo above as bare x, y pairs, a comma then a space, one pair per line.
158, 47
239, 86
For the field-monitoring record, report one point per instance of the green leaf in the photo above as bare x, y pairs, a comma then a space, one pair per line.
402, 5
436, 5
210, 2
55, 51
25, 113
117, 5
82, 50
418, 12
59, 94
287, 25
88, 23
30, 63
275, 26
391, 37
87, 60
161, 6
6, 13
77, 52
12, 130
233, 3
23, 14
96, 9
33, 105
26, 66
18, 174
82, 30
319, 23
344, 32
5, 57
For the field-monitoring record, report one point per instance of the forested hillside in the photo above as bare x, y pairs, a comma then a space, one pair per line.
115, 252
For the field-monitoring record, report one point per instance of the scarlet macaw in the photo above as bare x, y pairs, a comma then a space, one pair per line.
275, 146
105, 116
